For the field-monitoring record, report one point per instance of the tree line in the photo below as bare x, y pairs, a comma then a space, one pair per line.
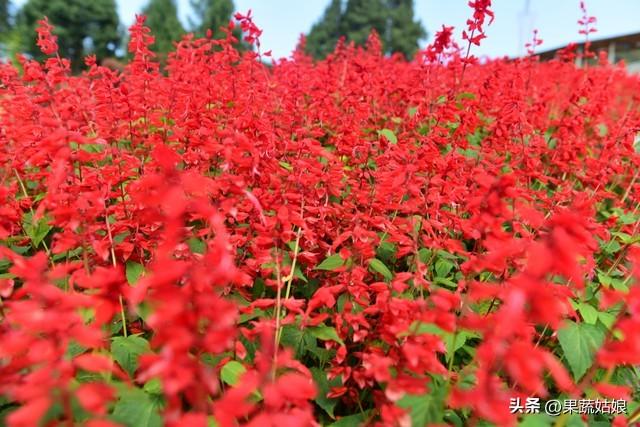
93, 27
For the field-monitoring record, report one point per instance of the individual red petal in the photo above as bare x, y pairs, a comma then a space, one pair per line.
94, 397
93, 362
30, 413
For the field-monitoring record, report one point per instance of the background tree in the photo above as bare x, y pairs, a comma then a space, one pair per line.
82, 27
405, 32
162, 19
362, 16
5, 17
325, 33
210, 14
393, 20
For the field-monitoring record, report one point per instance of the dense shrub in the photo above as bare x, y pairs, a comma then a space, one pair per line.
360, 239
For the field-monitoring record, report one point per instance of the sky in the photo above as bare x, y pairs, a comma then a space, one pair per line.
282, 21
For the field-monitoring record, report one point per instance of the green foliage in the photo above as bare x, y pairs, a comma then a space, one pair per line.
5, 17
133, 272
425, 409
393, 20
137, 408
210, 14
82, 27
324, 34
126, 351
389, 135
362, 16
162, 19
579, 341
35, 229
332, 262
379, 267
352, 420
231, 372
325, 333
404, 32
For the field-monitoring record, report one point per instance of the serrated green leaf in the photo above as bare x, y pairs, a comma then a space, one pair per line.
389, 135
325, 333
231, 372
579, 342
379, 267
330, 263
135, 408
133, 272
127, 350
294, 338
425, 409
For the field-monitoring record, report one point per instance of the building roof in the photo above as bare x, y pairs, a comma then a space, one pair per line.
625, 41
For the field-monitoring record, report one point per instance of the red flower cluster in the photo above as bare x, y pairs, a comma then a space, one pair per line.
360, 239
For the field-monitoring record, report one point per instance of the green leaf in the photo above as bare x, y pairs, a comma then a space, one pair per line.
446, 282
378, 266
603, 130
286, 166
325, 333
454, 342
356, 420
443, 267
324, 387
297, 273
126, 351
153, 386
36, 231
469, 153
466, 95
607, 319
386, 251
588, 313
134, 271
332, 262
135, 408
425, 409
296, 339
74, 349
389, 135
424, 255
231, 372
536, 420
579, 342
197, 246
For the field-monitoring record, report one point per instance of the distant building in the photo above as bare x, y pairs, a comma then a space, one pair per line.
626, 47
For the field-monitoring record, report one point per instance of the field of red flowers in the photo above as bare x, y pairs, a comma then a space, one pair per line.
357, 241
